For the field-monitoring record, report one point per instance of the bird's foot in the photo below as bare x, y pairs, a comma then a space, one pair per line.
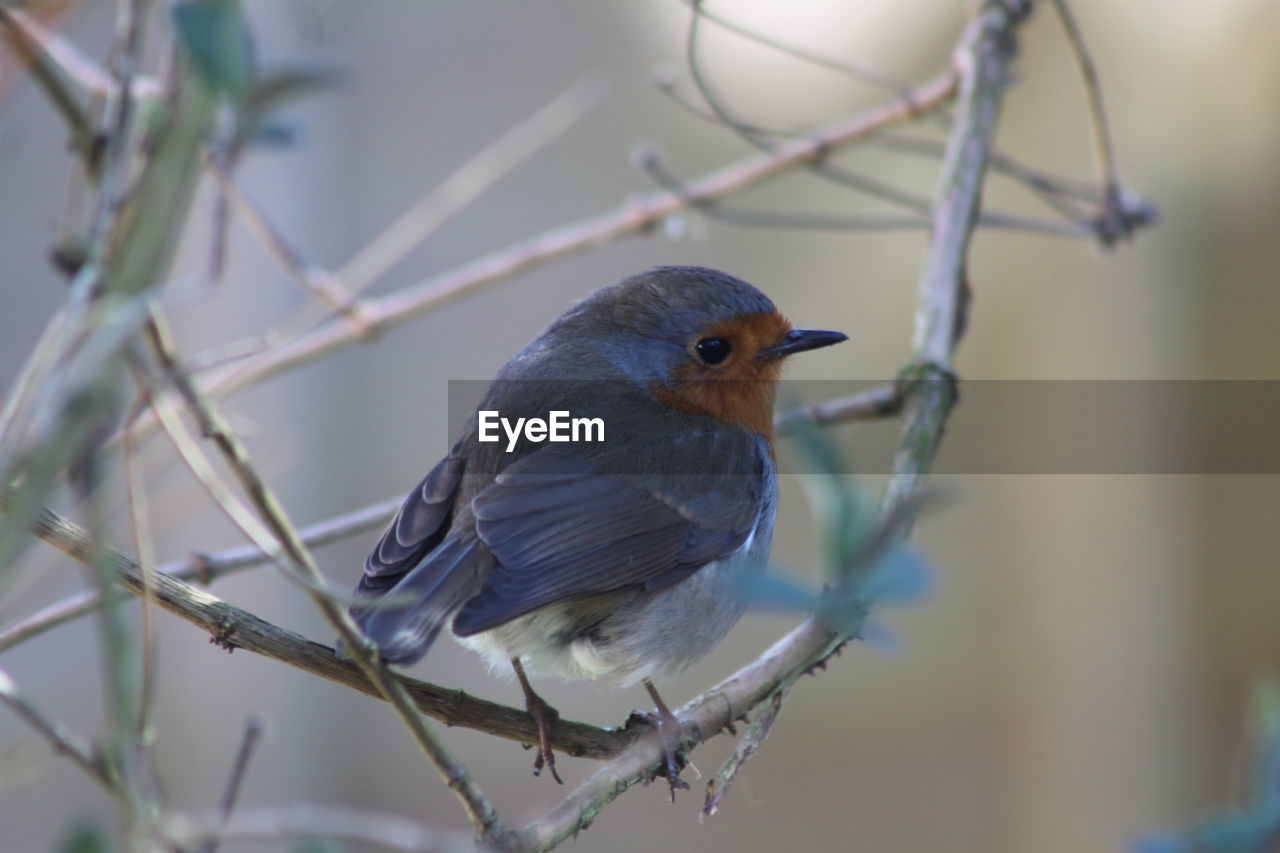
669, 727
542, 714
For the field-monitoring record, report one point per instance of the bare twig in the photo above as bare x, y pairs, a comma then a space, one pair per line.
882, 402
840, 175
31, 42
462, 187
144, 547
63, 741
849, 69
480, 811
235, 628
648, 160
636, 216
322, 284
941, 318
252, 734
204, 568
750, 744
1115, 215
713, 710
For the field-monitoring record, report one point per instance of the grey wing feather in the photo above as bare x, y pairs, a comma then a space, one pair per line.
417, 559
560, 531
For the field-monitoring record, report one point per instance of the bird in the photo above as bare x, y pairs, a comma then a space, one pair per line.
623, 558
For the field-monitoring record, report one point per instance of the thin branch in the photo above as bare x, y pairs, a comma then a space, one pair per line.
30, 42
857, 72
648, 160
882, 402
204, 568
144, 548
843, 176
709, 713
752, 740
235, 628
637, 216
252, 734
63, 740
1115, 210
822, 166
472, 179
942, 315
323, 285
476, 176
480, 811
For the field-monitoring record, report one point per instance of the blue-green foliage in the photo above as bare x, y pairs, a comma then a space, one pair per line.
215, 37
867, 563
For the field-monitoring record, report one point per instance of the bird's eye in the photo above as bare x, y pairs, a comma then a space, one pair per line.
713, 350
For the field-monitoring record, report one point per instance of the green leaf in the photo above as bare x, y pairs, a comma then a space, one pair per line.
216, 38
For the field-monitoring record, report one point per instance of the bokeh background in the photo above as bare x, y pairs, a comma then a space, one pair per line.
1084, 670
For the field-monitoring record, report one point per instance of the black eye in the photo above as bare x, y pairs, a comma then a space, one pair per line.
713, 350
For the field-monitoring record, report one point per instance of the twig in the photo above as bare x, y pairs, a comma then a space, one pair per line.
480, 811
30, 41
204, 568
882, 402
752, 740
710, 712
322, 284
63, 741
463, 186
252, 734
235, 628
647, 159
857, 72
1115, 215
985, 58
472, 179
636, 216
144, 547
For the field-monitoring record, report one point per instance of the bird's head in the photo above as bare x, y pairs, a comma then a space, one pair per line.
697, 339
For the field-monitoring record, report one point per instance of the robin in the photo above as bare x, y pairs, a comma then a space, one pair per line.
620, 557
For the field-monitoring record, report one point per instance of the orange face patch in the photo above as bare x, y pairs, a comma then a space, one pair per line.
739, 390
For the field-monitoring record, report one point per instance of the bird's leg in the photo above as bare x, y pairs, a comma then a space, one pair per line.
669, 732
542, 714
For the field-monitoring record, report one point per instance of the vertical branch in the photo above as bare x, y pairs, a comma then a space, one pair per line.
984, 57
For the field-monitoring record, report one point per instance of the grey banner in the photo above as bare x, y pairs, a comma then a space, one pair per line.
997, 427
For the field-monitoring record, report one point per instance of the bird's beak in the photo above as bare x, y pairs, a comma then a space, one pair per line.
799, 340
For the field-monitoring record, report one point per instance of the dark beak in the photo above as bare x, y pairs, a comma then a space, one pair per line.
799, 340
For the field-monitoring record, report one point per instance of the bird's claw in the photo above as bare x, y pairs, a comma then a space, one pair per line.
543, 714
668, 730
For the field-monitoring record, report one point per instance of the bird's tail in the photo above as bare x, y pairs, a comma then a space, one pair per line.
406, 612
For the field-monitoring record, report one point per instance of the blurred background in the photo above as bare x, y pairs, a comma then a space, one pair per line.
1084, 670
